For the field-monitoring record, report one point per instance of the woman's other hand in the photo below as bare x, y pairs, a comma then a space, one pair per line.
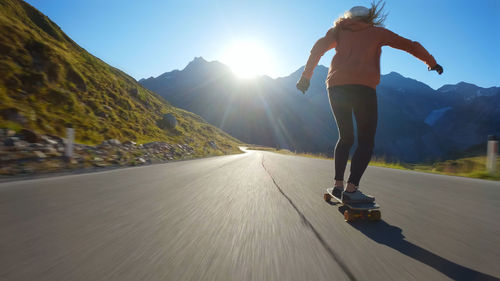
303, 84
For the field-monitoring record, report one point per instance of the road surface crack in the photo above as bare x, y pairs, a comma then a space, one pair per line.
306, 222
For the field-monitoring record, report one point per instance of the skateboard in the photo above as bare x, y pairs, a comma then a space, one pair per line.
355, 211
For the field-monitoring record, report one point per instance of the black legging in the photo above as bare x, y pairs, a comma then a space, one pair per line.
362, 100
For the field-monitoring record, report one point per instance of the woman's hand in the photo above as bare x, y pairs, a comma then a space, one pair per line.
437, 68
303, 84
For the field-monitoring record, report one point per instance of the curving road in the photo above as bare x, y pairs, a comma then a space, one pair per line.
253, 216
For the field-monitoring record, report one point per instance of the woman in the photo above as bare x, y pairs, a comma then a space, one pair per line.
352, 79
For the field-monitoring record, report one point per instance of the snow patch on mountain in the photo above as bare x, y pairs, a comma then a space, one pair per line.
435, 115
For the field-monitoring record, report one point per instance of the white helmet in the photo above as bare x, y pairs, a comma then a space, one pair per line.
357, 11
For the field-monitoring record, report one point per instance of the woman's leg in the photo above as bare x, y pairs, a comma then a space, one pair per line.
341, 104
365, 112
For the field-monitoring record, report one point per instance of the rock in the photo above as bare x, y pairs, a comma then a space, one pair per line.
101, 114
156, 145
11, 141
141, 160
8, 170
5, 156
98, 159
21, 145
49, 150
130, 143
10, 133
212, 144
168, 121
107, 107
39, 154
100, 164
29, 136
56, 138
27, 170
13, 114
114, 142
111, 142
48, 140
17, 155
37, 146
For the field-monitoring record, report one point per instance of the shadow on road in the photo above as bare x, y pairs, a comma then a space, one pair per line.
392, 236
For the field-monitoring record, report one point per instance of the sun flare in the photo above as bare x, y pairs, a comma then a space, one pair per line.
248, 59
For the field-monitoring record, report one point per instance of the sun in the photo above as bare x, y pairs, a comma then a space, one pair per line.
248, 59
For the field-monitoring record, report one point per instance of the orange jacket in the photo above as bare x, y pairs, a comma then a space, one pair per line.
358, 48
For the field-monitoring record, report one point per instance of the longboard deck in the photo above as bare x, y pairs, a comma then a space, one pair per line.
356, 210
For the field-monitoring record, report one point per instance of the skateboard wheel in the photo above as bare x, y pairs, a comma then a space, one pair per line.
364, 214
375, 215
348, 216
327, 197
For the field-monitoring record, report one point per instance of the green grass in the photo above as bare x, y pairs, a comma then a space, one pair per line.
52, 82
471, 167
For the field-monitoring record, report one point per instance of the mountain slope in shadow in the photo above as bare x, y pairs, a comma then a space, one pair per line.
412, 116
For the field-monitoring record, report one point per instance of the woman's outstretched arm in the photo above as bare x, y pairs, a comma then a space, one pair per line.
392, 39
324, 44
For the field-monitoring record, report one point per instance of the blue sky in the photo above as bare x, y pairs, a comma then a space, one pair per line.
148, 37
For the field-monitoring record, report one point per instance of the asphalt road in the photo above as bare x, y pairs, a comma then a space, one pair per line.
253, 216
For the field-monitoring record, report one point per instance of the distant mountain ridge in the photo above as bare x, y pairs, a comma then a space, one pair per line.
416, 122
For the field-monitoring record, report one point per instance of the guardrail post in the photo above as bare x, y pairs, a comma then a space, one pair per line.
491, 159
70, 138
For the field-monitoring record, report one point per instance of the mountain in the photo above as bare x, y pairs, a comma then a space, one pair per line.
416, 122
467, 122
466, 91
48, 81
258, 111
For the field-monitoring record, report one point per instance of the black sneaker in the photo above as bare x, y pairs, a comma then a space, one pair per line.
356, 197
337, 191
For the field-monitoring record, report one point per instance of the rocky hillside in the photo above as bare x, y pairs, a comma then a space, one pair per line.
416, 122
25, 153
47, 82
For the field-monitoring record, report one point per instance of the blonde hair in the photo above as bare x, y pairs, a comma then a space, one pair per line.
375, 15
